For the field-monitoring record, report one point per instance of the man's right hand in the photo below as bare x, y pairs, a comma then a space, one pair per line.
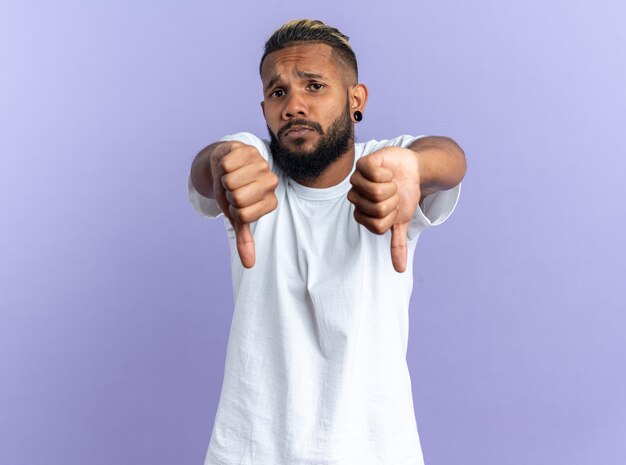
244, 187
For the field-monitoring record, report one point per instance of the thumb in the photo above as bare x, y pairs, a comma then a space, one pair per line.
399, 234
245, 243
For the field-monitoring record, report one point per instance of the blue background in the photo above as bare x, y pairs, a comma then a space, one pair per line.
115, 297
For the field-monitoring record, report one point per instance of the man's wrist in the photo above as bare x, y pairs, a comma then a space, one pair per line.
424, 169
201, 169
441, 163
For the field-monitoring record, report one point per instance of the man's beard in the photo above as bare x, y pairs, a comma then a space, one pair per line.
300, 165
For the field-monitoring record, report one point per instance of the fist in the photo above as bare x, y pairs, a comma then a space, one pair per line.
385, 193
244, 187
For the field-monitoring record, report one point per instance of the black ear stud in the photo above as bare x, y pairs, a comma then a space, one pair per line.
358, 115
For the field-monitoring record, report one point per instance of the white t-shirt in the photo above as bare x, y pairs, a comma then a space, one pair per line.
316, 370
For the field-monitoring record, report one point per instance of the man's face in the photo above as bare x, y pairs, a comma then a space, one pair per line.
306, 109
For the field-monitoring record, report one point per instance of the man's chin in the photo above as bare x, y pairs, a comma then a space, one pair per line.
299, 147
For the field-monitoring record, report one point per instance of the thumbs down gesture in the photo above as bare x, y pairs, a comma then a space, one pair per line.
385, 193
244, 188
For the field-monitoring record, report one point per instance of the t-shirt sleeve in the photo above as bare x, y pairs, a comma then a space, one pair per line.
434, 208
207, 206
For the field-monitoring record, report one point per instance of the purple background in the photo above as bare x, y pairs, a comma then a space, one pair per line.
115, 297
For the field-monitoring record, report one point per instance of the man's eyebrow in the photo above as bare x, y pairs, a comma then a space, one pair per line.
302, 74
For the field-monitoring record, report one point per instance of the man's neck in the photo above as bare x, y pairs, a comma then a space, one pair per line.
336, 172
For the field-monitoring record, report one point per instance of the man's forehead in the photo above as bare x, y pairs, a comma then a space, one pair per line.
300, 59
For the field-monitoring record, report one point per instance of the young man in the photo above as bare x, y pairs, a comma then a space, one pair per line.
322, 234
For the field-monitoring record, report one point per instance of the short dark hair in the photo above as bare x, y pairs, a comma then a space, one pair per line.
313, 31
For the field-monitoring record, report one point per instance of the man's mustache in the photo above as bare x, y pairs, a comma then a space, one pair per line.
300, 122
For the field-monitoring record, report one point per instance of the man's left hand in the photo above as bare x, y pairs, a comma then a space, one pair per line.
385, 193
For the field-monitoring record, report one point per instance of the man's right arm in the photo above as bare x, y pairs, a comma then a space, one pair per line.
201, 173
238, 177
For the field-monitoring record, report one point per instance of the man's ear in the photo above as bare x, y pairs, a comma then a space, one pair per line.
263, 108
357, 95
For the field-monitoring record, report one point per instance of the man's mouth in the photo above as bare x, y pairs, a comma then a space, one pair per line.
298, 131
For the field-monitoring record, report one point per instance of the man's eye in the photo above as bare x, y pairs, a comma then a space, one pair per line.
316, 86
277, 93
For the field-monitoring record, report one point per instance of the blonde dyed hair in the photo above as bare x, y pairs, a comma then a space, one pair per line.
312, 31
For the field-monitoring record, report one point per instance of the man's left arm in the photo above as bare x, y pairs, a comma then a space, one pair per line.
441, 161
388, 184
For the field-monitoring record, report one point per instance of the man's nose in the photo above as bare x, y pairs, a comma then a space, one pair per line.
295, 106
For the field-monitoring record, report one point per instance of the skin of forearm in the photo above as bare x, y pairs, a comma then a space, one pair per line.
442, 163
